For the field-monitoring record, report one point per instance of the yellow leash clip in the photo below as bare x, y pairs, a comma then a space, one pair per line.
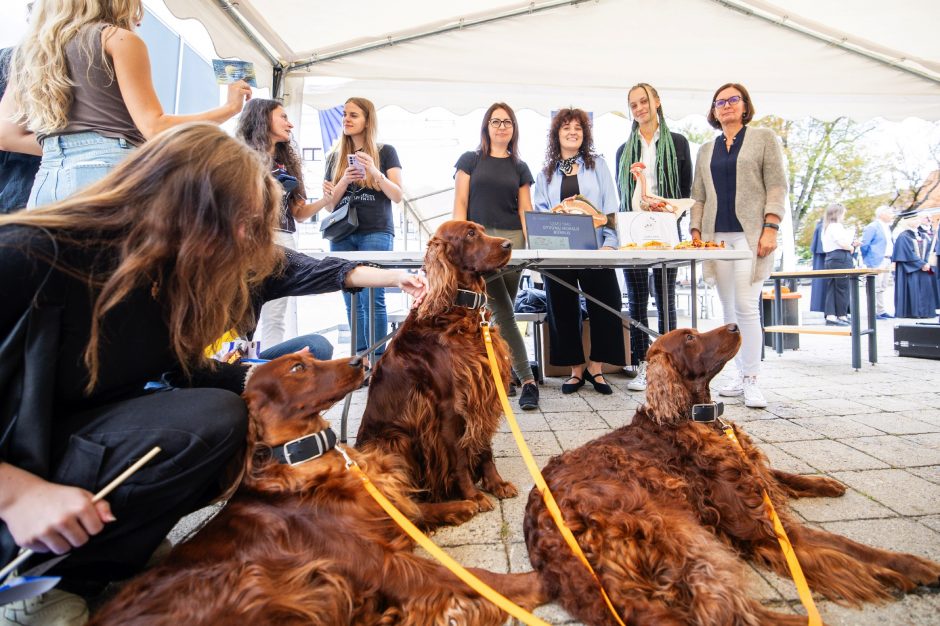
446, 560
540, 483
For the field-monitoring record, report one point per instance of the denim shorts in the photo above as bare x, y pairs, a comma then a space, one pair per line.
72, 162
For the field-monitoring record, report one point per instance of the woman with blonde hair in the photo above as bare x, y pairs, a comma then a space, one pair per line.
110, 298
80, 94
370, 185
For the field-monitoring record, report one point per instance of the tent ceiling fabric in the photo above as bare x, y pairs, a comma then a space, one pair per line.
862, 59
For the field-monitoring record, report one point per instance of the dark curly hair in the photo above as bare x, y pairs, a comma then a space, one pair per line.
553, 151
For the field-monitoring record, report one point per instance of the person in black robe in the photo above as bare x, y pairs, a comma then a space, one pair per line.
913, 289
817, 298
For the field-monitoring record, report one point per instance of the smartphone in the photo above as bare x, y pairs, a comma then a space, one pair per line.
351, 159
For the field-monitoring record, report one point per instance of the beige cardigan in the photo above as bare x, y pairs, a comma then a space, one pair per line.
761, 190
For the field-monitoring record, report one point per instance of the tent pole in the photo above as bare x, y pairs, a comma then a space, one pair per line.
231, 12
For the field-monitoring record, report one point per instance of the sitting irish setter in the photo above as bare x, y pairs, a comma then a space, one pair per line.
305, 543
666, 509
432, 399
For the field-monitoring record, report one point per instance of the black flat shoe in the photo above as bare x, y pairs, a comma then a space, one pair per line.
602, 388
567, 388
837, 323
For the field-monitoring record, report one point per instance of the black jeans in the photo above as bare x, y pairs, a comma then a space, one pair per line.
199, 431
564, 318
638, 298
837, 295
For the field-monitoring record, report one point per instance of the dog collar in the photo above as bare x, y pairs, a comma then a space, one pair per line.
470, 299
707, 412
305, 448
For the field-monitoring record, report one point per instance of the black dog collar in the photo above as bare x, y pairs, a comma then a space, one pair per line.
470, 299
707, 412
305, 448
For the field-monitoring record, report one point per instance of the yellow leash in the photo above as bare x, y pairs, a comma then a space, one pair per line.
796, 572
540, 483
472, 581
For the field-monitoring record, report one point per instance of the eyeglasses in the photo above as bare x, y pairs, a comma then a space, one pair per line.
720, 104
495, 123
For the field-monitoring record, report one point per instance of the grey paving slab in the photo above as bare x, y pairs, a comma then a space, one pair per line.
827, 455
839, 406
927, 473
487, 556
571, 439
890, 403
895, 423
929, 440
837, 427
780, 430
899, 490
797, 409
928, 416
898, 535
582, 420
931, 521
565, 404
896, 451
910, 610
528, 421
484, 528
782, 461
851, 506
539, 442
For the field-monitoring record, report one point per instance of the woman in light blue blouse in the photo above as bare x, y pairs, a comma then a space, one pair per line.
572, 168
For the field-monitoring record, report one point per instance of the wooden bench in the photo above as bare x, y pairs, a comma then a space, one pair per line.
854, 330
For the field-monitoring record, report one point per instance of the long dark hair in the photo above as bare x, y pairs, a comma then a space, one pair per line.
553, 151
484, 147
667, 163
191, 214
254, 128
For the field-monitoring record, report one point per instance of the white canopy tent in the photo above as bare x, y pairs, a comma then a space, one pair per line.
820, 58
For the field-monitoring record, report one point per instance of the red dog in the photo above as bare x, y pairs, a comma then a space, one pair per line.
432, 399
305, 543
666, 508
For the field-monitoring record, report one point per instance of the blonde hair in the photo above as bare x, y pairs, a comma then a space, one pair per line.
192, 215
43, 94
345, 146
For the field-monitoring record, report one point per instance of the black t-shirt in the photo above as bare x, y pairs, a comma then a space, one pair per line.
373, 207
494, 189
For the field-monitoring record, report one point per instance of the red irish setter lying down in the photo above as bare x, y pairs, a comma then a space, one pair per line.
305, 543
666, 509
432, 399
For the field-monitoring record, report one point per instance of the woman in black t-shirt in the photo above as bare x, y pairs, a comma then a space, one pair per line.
492, 189
372, 184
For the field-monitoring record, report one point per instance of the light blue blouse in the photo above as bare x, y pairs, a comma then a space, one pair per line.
596, 185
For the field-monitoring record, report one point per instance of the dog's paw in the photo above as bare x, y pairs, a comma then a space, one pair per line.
462, 511
483, 503
829, 487
921, 571
502, 490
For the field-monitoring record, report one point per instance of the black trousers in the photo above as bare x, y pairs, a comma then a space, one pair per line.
564, 318
638, 298
837, 295
199, 431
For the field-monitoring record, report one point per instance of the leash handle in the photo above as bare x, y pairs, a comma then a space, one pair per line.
536, 474
793, 563
446, 560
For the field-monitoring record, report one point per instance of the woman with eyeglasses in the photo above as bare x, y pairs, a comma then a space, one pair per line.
740, 192
371, 184
668, 174
572, 168
492, 189
264, 126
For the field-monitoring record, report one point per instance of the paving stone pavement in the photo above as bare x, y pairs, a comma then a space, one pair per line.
876, 430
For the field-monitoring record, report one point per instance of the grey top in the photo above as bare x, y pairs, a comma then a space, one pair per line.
97, 104
761, 190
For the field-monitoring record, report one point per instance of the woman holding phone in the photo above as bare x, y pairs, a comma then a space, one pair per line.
492, 189
80, 81
368, 174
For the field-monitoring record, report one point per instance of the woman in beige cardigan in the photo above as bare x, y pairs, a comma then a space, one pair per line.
739, 190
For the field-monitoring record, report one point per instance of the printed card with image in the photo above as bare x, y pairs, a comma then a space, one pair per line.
227, 71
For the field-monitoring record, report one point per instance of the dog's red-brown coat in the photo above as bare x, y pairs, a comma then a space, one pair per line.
432, 399
666, 509
306, 544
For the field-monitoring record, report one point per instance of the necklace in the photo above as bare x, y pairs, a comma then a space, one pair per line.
566, 165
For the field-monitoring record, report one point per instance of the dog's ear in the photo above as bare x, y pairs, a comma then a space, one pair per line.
667, 398
442, 279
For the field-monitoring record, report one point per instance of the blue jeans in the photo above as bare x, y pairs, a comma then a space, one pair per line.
72, 162
361, 242
320, 347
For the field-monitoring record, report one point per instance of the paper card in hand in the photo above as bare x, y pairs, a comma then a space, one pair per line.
228, 71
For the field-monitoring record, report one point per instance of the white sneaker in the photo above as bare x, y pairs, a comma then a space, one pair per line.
753, 398
734, 388
639, 383
53, 608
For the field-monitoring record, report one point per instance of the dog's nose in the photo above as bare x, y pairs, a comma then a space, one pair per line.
507, 244
733, 328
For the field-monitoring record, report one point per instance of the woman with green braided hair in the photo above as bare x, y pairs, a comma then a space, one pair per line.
668, 172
